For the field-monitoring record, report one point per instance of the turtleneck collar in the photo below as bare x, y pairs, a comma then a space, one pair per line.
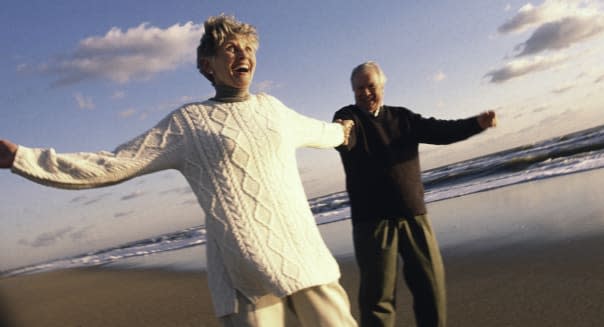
230, 94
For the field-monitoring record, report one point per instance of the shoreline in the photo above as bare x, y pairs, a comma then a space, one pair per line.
525, 255
557, 283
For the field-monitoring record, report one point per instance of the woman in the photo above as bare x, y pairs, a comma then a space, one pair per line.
237, 151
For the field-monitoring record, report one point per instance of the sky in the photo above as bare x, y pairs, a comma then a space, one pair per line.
89, 75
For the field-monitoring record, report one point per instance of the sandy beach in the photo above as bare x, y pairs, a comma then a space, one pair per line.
557, 284
543, 267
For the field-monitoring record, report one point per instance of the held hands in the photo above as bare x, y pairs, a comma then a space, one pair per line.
7, 153
347, 126
487, 119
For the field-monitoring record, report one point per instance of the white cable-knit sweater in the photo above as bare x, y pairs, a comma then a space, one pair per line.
240, 160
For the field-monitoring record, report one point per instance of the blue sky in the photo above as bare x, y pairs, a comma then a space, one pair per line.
90, 75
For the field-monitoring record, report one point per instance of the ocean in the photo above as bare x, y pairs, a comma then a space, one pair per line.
569, 154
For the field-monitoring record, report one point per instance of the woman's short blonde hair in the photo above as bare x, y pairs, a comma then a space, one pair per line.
217, 29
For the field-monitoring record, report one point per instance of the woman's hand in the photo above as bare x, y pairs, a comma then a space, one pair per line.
7, 153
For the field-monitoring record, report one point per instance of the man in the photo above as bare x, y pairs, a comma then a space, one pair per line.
237, 151
383, 180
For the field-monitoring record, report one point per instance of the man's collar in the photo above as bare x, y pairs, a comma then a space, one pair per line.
374, 114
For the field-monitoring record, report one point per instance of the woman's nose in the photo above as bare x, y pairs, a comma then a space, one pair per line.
240, 53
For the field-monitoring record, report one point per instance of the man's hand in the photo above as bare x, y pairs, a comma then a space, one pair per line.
7, 153
347, 125
487, 119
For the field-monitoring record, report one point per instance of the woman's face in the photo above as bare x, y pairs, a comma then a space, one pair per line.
234, 63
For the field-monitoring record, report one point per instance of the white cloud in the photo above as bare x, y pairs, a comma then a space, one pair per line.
529, 16
520, 67
83, 102
563, 88
48, 238
123, 214
127, 113
118, 95
439, 76
186, 98
265, 86
121, 56
559, 24
561, 34
133, 195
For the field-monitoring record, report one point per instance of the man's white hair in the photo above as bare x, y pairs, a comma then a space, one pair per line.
369, 66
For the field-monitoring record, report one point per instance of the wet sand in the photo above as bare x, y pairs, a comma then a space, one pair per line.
554, 284
527, 255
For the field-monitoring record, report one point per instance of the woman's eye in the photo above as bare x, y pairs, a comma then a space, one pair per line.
230, 48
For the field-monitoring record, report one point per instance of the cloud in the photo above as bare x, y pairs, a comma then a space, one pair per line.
520, 67
599, 79
561, 34
178, 190
121, 56
123, 214
507, 7
83, 199
559, 25
78, 199
118, 95
439, 76
47, 238
265, 86
127, 113
51, 238
562, 89
539, 109
186, 98
190, 202
132, 195
80, 234
551, 10
83, 101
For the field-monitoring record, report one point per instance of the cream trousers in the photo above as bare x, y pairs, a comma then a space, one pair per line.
318, 306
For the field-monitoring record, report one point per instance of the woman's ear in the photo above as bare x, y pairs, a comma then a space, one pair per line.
206, 69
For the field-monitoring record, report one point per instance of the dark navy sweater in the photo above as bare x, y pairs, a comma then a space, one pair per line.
383, 175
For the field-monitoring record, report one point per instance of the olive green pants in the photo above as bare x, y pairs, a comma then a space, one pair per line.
377, 247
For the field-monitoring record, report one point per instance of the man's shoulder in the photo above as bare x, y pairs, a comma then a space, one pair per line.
348, 108
346, 112
397, 110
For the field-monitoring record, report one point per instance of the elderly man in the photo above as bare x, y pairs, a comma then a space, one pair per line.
384, 184
237, 151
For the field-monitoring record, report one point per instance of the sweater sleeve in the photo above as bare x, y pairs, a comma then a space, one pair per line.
310, 132
440, 132
159, 148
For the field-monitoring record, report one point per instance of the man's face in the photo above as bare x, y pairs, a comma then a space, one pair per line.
234, 63
368, 90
